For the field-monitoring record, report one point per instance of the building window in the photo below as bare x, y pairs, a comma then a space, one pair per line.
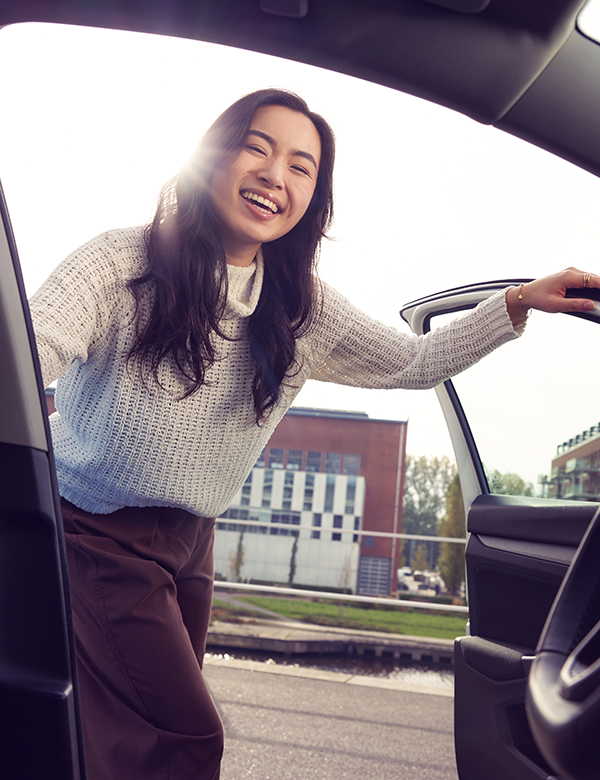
288, 487
275, 458
337, 523
276, 518
350, 495
313, 461
295, 520
246, 490
356, 528
316, 524
309, 489
294, 460
352, 465
257, 529
233, 514
374, 576
285, 518
329, 491
333, 463
369, 541
260, 463
267, 488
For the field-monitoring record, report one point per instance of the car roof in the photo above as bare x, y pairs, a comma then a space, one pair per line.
518, 64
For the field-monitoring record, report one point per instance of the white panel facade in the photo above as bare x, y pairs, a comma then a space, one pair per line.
325, 557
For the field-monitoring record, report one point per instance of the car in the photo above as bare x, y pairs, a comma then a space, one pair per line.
526, 674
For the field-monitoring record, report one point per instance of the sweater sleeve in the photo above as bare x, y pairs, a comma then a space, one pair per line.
352, 349
72, 309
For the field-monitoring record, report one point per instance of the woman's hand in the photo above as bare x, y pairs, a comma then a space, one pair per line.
548, 294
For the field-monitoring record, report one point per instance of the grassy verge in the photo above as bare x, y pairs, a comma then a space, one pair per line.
395, 620
222, 610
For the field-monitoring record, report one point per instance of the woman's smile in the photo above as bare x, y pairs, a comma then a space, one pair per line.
263, 205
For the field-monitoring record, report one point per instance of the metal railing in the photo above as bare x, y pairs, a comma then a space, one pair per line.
323, 594
348, 531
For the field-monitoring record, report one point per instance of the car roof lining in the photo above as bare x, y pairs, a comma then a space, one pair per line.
492, 65
479, 64
569, 127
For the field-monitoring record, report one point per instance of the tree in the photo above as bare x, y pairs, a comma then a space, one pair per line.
293, 561
345, 577
421, 560
451, 562
236, 560
508, 484
426, 483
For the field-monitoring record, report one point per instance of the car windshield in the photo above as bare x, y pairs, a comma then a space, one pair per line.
426, 199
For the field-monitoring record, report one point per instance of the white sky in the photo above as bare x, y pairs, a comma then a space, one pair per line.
94, 122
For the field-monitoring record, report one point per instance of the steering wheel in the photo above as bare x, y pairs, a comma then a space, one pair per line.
563, 695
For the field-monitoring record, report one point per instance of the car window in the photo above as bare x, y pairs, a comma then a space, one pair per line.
533, 406
95, 121
589, 20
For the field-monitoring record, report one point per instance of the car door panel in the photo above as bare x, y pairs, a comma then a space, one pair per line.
38, 701
517, 555
514, 572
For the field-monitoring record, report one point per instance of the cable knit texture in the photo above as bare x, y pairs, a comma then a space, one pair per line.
121, 440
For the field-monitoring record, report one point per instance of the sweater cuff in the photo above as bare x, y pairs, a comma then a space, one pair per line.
499, 319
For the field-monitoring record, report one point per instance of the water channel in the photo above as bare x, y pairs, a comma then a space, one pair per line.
435, 676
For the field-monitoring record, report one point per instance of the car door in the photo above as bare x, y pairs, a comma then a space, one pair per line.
38, 702
519, 547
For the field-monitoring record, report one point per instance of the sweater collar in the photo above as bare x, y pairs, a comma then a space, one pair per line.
244, 286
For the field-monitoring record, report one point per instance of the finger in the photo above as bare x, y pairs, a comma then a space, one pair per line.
583, 279
580, 304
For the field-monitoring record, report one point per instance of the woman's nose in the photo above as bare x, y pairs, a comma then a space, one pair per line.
272, 174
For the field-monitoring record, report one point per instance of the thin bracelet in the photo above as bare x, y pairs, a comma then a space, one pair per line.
524, 311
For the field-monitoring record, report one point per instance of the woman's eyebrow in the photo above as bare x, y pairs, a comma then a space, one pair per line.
295, 153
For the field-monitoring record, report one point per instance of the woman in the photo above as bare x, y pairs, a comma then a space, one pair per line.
179, 348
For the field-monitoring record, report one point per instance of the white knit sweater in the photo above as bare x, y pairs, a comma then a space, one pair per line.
121, 442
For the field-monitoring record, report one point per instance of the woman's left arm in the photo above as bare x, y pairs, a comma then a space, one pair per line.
549, 294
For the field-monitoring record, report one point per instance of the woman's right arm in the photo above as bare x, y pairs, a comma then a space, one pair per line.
71, 309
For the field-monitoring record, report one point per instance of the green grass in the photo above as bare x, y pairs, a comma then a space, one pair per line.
395, 620
222, 610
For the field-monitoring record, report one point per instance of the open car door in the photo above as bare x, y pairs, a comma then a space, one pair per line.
38, 702
504, 428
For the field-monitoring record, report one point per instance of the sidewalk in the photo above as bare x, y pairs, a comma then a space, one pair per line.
289, 638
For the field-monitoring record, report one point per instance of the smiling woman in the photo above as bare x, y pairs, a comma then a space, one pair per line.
178, 348
206, 212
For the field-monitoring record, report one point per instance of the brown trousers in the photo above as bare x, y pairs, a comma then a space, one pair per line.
141, 590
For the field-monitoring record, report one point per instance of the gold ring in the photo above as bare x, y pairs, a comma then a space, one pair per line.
586, 279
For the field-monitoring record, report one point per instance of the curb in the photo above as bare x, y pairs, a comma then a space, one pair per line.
405, 686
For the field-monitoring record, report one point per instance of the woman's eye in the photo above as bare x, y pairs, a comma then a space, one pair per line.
300, 170
255, 149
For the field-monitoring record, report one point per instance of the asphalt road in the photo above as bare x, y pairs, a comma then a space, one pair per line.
296, 724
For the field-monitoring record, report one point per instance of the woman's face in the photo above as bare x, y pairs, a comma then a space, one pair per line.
263, 192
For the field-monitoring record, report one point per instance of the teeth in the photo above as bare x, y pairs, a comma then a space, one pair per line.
263, 201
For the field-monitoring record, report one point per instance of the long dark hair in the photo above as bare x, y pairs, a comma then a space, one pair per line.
188, 271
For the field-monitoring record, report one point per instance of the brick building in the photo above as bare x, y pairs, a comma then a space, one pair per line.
332, 473
575, 470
